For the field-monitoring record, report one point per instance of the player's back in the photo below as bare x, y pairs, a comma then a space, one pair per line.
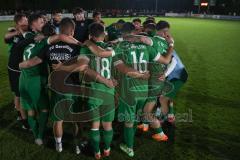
60, 51
31, 51
134, 55
101, 65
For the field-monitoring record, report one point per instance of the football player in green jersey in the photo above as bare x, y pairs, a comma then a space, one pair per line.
177, 76
133, 92
15, 38
103, 67
164, 56
34, 99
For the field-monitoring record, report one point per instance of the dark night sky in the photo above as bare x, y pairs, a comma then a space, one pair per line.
90, 4
168, 5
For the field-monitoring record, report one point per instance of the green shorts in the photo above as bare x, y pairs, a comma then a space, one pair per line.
104, 113
177, 84
157, 88
128, 113
58, 115
34, 95
101, 104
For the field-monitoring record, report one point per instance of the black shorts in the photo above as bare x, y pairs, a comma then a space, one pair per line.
14, 81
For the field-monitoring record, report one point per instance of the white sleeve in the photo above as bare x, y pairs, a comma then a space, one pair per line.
25, 33
117, 62
111, 49
48, 41
171, 67
157, 57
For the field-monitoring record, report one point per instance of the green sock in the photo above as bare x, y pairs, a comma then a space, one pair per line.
158, 130
171, 111
95, 140
33, 124
135, 127
107, 138
42, 124
129, 136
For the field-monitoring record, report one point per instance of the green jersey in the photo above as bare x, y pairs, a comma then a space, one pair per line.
101, 65
137, 56
31, 51
156, 68
28, 35
160, 44
101, 99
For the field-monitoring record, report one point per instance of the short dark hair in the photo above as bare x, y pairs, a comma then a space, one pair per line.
148, 22
96, 14
137, 20
150, 18
48, 30
150, 26
33, 17
18, 17
43, 13
77, 10
56, 11
128, 27
96, 29
162, 24
120, 21
65, 24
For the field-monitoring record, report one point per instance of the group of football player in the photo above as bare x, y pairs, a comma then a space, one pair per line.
87, 73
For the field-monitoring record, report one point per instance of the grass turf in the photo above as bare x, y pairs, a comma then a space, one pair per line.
210, 51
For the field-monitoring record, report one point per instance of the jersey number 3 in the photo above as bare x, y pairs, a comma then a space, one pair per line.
29, 52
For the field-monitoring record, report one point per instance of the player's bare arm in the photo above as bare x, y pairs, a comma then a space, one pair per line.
139, 38
79, 66
132, 72
62, 38
30, 63
91, 75
10, 35
98, 51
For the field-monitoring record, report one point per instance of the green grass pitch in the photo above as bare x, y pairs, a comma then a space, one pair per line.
210, 49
